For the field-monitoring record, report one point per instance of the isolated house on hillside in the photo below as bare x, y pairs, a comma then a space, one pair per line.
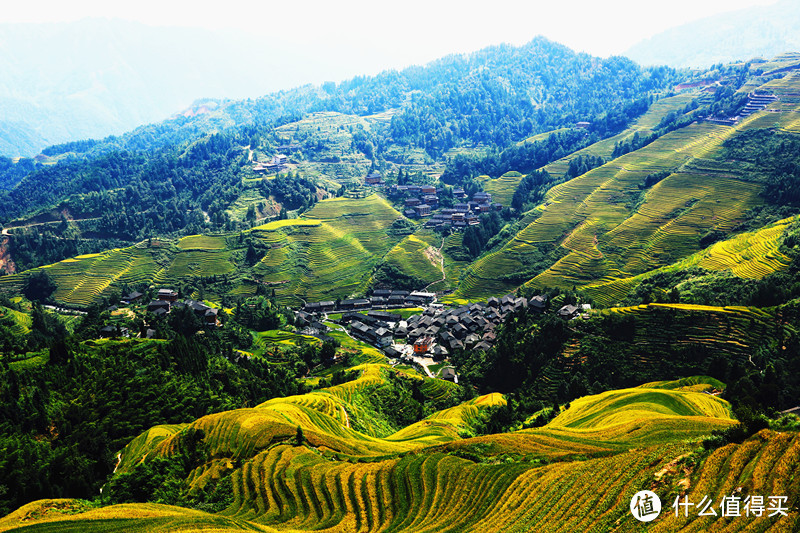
568, 311
449, 373
132, 297
167, 295
374, 178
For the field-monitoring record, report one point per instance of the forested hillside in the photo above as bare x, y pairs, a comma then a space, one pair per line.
212, 319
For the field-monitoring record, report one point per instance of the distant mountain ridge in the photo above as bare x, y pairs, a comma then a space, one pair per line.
103, 77
763, 31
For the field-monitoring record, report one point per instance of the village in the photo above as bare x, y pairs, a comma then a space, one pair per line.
429, 337
415, 201
421, 201
165, 301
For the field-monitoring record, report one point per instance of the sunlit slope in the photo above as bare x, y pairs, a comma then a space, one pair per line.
70, 515
418, 258
731, 333
19, 323
84, 279
615, 421
326, 417
502, 188
605, 227
750, 255
328, 253
642, 126
291, 488
342, 480
624, 406
591, 217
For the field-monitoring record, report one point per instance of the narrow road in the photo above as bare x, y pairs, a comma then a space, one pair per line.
7, 231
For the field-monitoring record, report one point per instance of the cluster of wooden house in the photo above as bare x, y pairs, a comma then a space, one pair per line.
167, 299
423, 201
380, 299
435, 332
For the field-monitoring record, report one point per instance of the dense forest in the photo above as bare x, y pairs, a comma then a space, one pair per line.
68, 410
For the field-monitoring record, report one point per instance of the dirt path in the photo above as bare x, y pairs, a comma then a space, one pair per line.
7, 231
437, 254
6, 262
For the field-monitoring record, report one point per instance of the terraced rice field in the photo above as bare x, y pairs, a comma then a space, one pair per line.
328, 253
417, 258
502, 188
337, 160
73, 515
341, 480
609, 229
294, 489
85, 279
202, 242
199, 263
284, 338
730, 332
621, 407
18, 322
643, 126
751, 255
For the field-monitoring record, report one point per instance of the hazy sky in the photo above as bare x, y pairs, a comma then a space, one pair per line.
362, 37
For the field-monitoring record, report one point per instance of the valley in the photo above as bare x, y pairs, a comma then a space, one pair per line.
505, 291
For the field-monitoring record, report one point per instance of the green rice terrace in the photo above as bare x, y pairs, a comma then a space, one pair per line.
354, 312
580, 472
605, 227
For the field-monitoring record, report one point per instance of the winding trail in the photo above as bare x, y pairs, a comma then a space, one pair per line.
441, 266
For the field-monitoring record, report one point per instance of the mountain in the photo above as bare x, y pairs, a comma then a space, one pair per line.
489, 98
756, 32
96, 77
615, 252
